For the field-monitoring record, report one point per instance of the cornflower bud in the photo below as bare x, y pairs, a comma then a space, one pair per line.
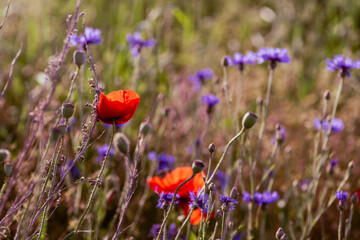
354, 198
327, 95
212, 148
234, 194
225, 61
279, 233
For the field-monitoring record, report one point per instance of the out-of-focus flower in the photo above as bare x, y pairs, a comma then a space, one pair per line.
334, 162
273, 55
171, 233
228, 203
220, 179
337, 125
165, 199
90, 36
342, 196
200, 77
152, 155
239, 236
246, 196
166, 162
210, 99
266, 197
342, 64
137, 43
281, 137
102, 150
240, 60
172, 180
118, 105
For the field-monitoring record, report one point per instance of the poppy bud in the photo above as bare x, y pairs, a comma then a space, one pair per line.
279, 233
225, 61
249, 120
234, 194
197, 166
145, 128
121, 143
354, 198
212, 148
4, 154
8, 168
67, 110
79, 57
327, 95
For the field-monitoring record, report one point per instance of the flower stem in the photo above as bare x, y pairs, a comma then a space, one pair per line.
348, 226
223, 225
340, 224
97, 182
184, 223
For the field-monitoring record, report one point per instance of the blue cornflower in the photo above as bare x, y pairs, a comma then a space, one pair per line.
337, 125
266, 197
342, 196
240, 60
210, 99
273, 55
246, 196
171, 233
239, 236
200, 77
220, 179
102, 150
227, 202
152, 156
137, 43
165, 199
333, 162
90, 36
199, 202
166, 162
343, 64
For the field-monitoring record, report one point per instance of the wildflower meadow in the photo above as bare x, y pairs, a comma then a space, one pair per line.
155, 119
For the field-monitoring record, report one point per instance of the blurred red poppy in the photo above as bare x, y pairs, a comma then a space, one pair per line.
358, 193
172, 180
119, 105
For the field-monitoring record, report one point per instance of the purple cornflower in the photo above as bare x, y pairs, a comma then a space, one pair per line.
342, 196
266, 197
199, 78
304, 184
239, 236
337, 125
240, 60
90, 36
210, 99
74, 171
171, 233
333, 162
166, 162
227, 202
102, 150
152, 156
246, 196
342, 64
220, 179
199, 201
137, 43
273, 55
165, 199
282, 136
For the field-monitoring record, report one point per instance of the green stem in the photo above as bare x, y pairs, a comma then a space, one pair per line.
223, 225
98, 178
348, 226
4, 187
184, 223
340, 224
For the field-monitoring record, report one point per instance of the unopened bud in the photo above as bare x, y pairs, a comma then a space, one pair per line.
121, 143
67, 110
234, 194
354, 198
249, 120
197, 166
145, 128
284, 237
212, 148
8, 168
327, 95
351, 165
4, 154
218, 215
342, 206
212, 187
279, 233
79, 57
225, 61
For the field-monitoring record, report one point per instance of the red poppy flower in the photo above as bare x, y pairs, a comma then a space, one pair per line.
172, 180
119, 105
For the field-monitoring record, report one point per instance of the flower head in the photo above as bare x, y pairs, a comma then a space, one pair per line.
137, 43
166, 162
220, 179
281, 137
334, 162
337, 125
273, 55
228, 203
118, 105
246, 196
199, 201
165, 199
152, 155
171, 233
172, 180
90, 36
266, 197
102, 150
342, 196
200, 77
342, 64
210, 99
240, 60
